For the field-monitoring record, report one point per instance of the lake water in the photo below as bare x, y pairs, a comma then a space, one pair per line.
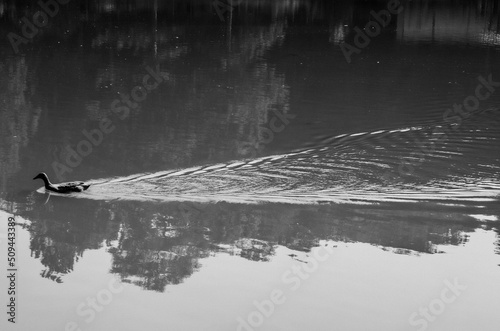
254, 165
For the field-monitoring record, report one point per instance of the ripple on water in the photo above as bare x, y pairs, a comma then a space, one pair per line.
406, 164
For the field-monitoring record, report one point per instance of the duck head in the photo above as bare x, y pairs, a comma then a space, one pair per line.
43, 176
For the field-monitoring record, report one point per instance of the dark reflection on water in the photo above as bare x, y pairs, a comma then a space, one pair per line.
153, 245
227, 79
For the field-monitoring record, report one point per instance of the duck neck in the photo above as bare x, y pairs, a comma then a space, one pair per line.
47, 182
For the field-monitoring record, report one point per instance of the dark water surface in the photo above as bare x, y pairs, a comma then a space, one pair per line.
249, 170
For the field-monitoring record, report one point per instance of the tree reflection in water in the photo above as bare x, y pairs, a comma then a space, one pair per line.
157, 244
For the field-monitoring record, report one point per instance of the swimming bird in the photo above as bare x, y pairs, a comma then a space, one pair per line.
62, 187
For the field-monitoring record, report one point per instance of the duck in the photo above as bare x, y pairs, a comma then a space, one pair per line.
62, 187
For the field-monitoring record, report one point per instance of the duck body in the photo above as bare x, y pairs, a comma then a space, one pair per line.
62, 187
